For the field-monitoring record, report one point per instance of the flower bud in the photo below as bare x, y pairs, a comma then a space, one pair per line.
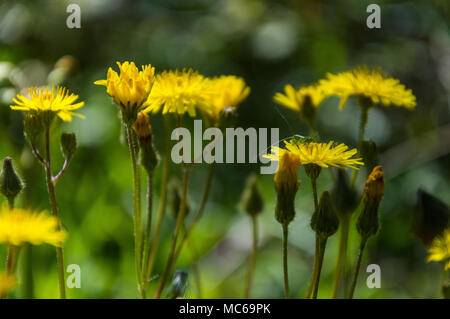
251, 201
178, 286
143, 129
369, 154
325, 221
345, 199
175, 191
432, 217
308, 111
33, 128
10, 183
286, 185
68, 144
368, 224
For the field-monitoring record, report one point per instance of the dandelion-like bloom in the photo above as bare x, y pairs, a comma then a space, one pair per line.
439, 249
20, 226
179, 92
130, 88
321, 154
7, 283
229, 91
369, 83
296, 99
48, 101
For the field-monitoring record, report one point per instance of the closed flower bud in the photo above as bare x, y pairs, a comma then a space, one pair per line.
252, 202
374, 189
68, 144
432, 217
308, 111
142, 126
33, 128
345, 199
368, 224
325, 221
178, 286
175, 191
286, 185
143, 129
10, 183
369, 154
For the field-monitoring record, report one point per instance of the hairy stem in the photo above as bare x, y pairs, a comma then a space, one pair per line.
357, 267
252, 259
52, 195
199, 211
161, 210
136, 208
285, 261
322, 246
342, 255
179, 225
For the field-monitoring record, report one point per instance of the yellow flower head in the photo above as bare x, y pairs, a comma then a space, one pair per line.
19, 226
439, 249
7, 283
369, 83
229, 91
179, 92
296, 99
48, 101
130, 88
321, 154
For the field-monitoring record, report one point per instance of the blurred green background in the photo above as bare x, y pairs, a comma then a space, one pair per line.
269, 43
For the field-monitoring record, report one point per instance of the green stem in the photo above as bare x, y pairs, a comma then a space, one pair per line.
11, 261
358, 266
161, 209
252, 259
314, 273
199, 211
136, 208
342, 255
317, 249
322, 246
362, 130
149, 223
179, 225
195, 266
285, 261
52, 195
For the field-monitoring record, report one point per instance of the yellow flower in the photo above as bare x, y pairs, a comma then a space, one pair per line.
19, 226
229, 91
369, 83
129, 89
322, 154
439, 249
49, 101
179, 92
7, 283
295, 99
